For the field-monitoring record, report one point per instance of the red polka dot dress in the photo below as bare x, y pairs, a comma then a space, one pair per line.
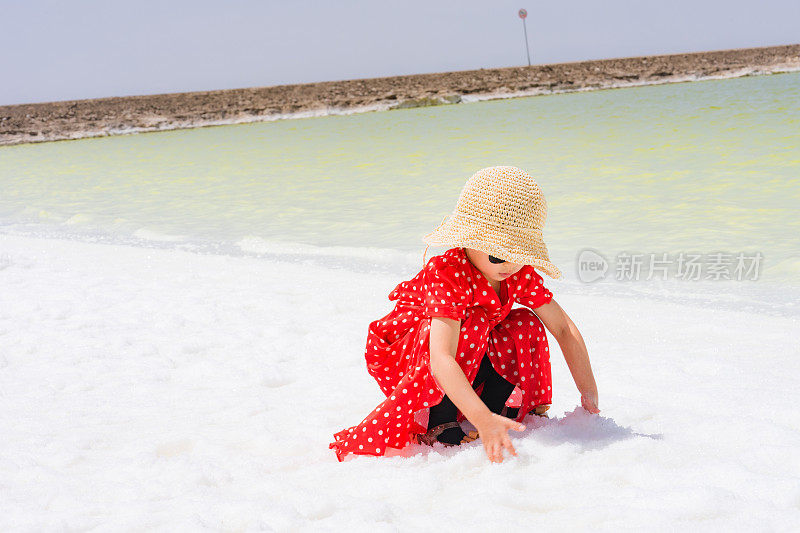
398, 357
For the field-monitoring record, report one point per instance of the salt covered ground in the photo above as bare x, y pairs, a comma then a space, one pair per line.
154, 389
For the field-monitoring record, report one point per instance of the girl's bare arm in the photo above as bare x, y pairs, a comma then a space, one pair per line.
444, 343
574, 349
493, 429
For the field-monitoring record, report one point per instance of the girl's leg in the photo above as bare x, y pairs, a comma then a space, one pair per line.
446, 410
496, 389
442, 412
520, 351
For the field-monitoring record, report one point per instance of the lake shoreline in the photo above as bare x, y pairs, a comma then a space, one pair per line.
77, 119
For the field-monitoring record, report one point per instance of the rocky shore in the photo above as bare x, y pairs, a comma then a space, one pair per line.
76, 119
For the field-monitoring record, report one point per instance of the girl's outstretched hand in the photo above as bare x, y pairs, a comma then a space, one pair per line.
589, 402
493, 431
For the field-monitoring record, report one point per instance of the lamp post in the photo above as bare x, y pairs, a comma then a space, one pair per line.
522, 14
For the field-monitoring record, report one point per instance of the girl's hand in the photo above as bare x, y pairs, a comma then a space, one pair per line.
589, 402
493, 431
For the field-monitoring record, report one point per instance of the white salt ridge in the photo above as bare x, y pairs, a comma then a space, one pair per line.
165, 124
160, 389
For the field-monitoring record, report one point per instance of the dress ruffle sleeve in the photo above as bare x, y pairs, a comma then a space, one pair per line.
446, 292
532, 293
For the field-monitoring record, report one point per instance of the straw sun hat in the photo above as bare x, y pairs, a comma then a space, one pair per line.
501, 211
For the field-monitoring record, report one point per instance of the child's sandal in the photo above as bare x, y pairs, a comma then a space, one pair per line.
512, 412
541, 410
431, 436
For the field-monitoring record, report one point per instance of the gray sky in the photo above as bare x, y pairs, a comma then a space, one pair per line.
62, 50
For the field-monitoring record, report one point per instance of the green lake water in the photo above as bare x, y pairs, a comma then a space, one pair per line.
700, 167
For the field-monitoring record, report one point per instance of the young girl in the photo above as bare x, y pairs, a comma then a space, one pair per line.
453, 347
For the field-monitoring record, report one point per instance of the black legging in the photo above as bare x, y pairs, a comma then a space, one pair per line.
496, 391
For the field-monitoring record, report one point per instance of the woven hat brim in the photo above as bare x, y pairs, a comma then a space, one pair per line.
513, 245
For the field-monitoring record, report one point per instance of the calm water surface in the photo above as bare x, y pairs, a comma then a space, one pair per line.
698, 167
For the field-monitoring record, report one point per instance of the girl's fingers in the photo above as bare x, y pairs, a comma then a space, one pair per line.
589, 406
490, 451
493, 445
508, 446
498, 452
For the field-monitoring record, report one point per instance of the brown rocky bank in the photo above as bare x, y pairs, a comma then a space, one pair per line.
75, 119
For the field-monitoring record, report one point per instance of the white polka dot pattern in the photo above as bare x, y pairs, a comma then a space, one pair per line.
397, 349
